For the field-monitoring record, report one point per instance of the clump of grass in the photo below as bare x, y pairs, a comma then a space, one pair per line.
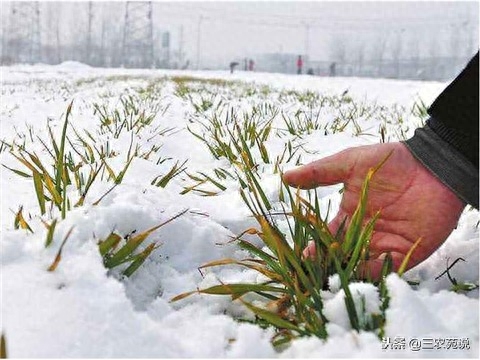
202, 178
293, 284
302, 122
163, 180
222, 136
132, 117
71, 155
115, 254
51, 187
420, 110
204, 103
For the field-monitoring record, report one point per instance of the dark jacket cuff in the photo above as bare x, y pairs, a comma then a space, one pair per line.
465, 143
451, 167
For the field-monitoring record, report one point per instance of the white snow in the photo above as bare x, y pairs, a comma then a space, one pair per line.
82, 310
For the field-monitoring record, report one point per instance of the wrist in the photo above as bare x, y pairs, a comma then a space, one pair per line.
446, 163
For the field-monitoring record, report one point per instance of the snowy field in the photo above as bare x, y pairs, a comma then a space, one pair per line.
82, 309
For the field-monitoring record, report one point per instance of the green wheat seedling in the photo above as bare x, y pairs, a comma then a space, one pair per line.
287, 155
302, 122
202, 178
204, 104
51, 186
114, 253
241, 141
89, 148
182, 90
293, 285
50, 231
420, 110
4, 146
216, 129
163, 180
134, 115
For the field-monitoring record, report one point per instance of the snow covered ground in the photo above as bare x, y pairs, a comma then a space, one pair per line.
82, 310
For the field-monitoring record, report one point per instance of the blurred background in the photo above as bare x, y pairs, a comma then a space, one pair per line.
424, 40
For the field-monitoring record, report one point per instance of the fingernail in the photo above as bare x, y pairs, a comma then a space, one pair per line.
382, 256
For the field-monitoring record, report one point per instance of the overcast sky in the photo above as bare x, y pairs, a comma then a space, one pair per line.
233, 29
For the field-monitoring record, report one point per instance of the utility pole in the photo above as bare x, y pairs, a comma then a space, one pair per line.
57, 36
35, 39
180, 51
4, 42
200, 19
307, 44
102, 44
88, 53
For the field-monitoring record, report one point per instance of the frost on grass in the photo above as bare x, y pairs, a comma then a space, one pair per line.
164, 143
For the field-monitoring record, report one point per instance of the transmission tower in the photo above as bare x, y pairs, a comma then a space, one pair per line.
23, 43
138, 35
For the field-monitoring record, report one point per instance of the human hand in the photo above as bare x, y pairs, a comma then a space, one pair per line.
413, 203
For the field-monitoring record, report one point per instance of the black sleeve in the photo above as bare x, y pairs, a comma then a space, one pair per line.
448, 144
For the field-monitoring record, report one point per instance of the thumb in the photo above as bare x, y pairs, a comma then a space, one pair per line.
331, 170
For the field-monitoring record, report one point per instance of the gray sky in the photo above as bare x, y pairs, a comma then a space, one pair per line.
248, 27
233, 29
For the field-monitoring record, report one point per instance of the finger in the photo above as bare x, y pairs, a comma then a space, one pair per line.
372, 269
310, 251
327, 171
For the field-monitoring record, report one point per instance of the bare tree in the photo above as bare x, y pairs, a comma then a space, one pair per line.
339, 48
397, 51
378, 50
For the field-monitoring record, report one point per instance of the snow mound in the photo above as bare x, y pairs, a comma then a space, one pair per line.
73, 65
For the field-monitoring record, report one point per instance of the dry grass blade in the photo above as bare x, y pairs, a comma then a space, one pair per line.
61, 153
406, 260
20, 222
3, 347
249, 263
95, 203
18, 172
58, 257
235, 290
